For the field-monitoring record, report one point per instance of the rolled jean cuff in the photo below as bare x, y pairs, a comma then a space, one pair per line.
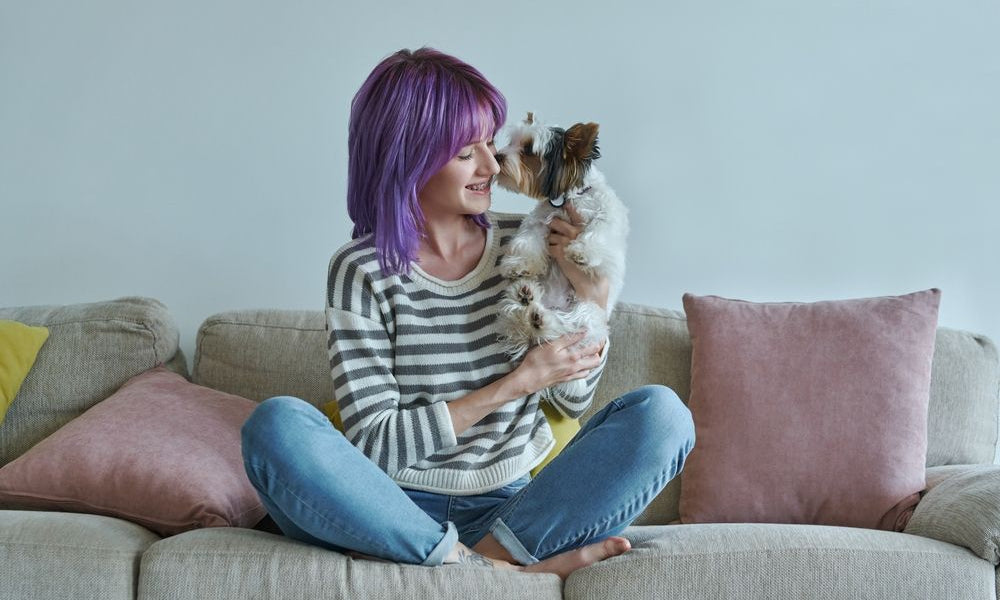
440, 552
508, 540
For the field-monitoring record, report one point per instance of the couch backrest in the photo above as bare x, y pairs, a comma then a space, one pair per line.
262, 353
92, 349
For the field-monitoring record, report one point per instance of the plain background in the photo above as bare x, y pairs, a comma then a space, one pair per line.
195, 152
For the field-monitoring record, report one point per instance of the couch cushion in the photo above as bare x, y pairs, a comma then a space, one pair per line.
760, 561
217, 564
91, 351
789, 399
963, 508
161, 451
965, 390
259, 354
45, 555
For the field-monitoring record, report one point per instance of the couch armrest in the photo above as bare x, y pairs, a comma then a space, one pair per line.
961, 506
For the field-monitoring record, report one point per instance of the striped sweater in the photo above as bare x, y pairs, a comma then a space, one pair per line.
402, 346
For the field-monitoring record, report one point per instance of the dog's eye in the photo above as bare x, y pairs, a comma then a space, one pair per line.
526, 149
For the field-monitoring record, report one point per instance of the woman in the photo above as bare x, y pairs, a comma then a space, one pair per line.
440, 427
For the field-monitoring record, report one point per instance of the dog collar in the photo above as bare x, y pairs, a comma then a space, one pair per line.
559, 201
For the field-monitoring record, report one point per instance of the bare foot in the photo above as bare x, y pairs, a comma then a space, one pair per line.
565, 563
561, 564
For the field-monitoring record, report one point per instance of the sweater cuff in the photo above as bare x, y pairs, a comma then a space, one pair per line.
446, 429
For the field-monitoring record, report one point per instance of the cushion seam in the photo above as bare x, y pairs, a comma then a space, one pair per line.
95, 320
42, 546
811, 549
214, 323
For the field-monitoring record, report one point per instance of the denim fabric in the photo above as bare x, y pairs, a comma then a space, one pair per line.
322, 490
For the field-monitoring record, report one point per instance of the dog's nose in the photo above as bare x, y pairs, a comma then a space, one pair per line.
499, 158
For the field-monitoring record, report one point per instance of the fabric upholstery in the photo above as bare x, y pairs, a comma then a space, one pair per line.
258, 354
648, 345
965, 391
265, 353
91, 351
19, 346
224, 564
767, 561
161, 452
963, 509
790, 398
46, 555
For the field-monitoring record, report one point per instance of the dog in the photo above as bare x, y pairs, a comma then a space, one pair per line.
555, 166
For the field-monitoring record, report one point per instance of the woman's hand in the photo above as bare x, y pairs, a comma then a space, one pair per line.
561, 233
556, 362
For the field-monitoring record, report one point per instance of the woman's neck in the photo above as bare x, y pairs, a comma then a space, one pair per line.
450, 250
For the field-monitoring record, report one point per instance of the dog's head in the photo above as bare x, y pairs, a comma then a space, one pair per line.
546, 162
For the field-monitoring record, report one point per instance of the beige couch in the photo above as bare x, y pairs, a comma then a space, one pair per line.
94, 348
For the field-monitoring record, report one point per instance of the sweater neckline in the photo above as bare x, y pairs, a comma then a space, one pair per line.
471, 279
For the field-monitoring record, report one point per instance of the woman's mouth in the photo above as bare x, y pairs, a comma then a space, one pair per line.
480, 188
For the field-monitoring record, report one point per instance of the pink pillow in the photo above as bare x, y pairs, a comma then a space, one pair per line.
161, 452
809, 413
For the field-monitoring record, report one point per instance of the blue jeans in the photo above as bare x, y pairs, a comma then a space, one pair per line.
321, 490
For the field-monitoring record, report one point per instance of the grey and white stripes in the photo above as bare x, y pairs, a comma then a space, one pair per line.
402, 346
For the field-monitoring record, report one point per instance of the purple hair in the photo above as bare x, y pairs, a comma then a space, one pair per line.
411, 116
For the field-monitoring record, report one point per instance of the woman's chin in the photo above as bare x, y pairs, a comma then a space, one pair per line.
479, 204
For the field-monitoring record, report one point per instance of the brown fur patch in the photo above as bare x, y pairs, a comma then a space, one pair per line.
580, 140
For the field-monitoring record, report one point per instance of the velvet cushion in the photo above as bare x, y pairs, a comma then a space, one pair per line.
161, 452
809, 412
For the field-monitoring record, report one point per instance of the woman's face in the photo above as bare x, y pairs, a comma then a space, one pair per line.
463, 185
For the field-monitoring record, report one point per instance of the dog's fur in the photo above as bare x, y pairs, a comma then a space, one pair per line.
554, 165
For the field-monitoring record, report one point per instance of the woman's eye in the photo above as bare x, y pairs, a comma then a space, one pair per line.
472, 152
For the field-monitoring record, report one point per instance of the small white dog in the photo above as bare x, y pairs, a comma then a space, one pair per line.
554, 165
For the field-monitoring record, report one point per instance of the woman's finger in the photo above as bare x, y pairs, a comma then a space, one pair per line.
574, 216
560, 226
558, 238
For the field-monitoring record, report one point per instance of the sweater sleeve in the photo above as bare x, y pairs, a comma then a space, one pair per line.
361, 357
573, 406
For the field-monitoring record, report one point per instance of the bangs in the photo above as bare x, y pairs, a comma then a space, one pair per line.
477, 116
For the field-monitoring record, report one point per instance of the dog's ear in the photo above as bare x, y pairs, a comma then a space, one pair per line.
581, 142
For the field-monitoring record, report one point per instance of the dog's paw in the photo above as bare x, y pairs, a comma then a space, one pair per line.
523, 267
525, 291
578, 253
537, 320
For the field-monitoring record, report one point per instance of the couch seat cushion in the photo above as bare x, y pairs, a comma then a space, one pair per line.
62, 555
232, 563
753, 560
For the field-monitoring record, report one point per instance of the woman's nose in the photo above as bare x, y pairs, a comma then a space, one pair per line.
493, 163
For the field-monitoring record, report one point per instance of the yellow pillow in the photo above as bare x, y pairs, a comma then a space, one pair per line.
19, 346
563, 428
332, 412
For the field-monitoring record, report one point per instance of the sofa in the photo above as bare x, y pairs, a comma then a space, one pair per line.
948, 551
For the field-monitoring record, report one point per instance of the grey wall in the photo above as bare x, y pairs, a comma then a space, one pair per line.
772, 151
